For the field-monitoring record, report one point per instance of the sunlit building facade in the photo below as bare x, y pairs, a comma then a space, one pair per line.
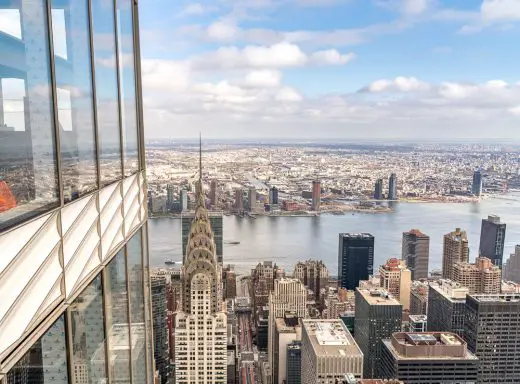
74, 287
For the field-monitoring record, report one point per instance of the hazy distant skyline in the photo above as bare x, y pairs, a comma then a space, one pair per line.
358, 69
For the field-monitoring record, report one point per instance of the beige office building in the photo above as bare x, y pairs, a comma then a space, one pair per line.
455, 249
329, 352
480, 277
396, 278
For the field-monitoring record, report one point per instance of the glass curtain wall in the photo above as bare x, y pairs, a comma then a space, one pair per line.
68, 108
106, 339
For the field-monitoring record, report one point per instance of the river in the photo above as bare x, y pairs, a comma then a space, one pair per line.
286, 240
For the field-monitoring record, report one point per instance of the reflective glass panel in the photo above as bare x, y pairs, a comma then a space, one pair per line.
135, 284
46, 360
88, 336
28, 175
71, 43
148, 309
127, 84
117, 320
107, 103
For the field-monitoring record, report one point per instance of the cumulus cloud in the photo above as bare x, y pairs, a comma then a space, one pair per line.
399, 84
196, 9
500, 10
331, 57
414, 7
263, 78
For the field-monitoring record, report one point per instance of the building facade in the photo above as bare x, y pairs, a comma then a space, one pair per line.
446, 307
480, 277
511, 268
160, 327
273, 196
329, 352
286, 331
201, 325
492, 330
378, 316
392, 187
492, 239
428, 358
419, 298
313, 274
476, 186
378, 189
74, 286
355, 259
397, 280
217, 226
416, 253
316, 195
455, 248
294, 362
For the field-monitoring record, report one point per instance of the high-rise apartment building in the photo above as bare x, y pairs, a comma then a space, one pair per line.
313, 274
217, 226
480, 277
201, 326
251, 199
511, 268
476, 186
378, 316
419, 298
239, 200
455, 249
392, 187
229, 280
169, 196
492, 238
316, 195
294, 362
160, 327
183, 197
273, 196
262, 284
446, 307
288, 295
416, 253
492, 331
355, 259
397, 280
428, 358
329, 352
74, 287
378, 189
213, 193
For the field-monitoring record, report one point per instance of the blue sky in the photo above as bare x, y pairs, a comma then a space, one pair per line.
335, 68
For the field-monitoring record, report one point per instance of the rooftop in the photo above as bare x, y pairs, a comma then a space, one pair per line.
418, 318
378, 297
497, 297
330, 338
416, 232
356, 235
450, 289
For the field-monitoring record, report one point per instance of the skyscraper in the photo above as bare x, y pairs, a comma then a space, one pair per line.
294, 362
289, 295
355, 259
160, 329
455, 249
428, 358
476, 186
74, 287
169, 196
217, 226
329, 352
184, 200
286, 331
397, 280
201, 326
511, 268
239, 200
213, 192
416, 253
378, 189
392, 187
251, 199
378, 316
492, 330
313, 274
492, 238
273, 196
446, 307
316, 195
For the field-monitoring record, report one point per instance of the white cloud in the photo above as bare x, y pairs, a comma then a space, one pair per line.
515, 110
10, 22
222, 31
399, 84
331, 57
196, 9
263, 78
288, 94
414, 7
500, 10
165, 75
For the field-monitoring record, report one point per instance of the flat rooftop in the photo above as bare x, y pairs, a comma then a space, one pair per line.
330, 337
378, 296
357, 235
497, 297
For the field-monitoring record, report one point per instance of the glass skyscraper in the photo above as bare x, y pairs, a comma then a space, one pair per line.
355, 259
74, 286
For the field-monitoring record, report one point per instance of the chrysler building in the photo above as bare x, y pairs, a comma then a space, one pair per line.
201, 326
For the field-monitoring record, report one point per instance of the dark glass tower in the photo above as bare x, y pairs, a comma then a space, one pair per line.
492, 237
273, 195
476, 187
378, 189
392, 187
355, 258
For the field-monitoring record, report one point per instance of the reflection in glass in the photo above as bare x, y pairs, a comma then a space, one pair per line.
88, 336
135, 284
147, 309
127, 84
27, 144
45, 362
117, 320
107, 104
70, 27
